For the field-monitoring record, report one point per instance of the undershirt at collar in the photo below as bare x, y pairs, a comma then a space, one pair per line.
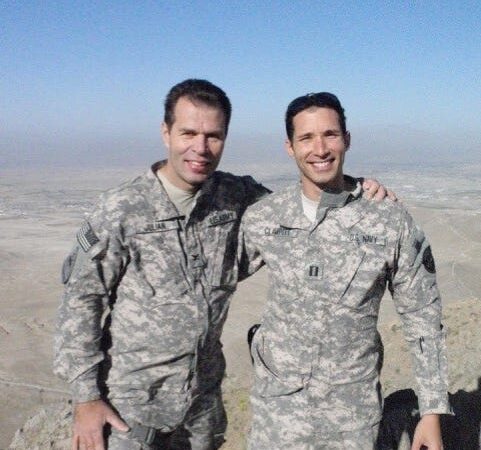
309, 207
328, 200
184, 201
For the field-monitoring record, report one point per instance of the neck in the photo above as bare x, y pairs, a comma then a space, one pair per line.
175, 181
314, 191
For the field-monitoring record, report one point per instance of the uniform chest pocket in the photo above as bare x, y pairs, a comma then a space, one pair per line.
368, 283
157, 257
356, 277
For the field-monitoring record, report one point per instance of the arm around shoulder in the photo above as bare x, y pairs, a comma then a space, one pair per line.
249, 257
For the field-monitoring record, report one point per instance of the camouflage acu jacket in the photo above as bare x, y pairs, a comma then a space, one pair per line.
166, 281
326, 281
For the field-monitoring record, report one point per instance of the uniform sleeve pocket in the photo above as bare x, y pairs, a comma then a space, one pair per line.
68, 265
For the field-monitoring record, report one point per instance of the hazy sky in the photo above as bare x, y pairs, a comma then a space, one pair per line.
83, 82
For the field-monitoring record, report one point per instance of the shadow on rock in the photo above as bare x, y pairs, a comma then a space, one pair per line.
460, 431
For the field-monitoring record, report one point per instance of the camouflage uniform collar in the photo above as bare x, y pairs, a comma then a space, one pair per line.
346, 199
205, 196
339, 199
206, 186
159, 199
293, 216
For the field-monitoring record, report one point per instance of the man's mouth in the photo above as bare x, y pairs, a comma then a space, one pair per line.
322, 165
198, 166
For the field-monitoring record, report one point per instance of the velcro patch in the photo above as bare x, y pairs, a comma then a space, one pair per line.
218, 218
280, 231
86, 237
159, 225
360, 238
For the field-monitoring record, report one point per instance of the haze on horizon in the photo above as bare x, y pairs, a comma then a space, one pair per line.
83, 83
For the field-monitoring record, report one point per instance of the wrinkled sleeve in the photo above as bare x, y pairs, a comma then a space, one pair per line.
416, 296
90, 274
249, 261
250, 258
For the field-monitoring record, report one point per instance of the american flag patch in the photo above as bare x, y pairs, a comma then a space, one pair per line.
86, 237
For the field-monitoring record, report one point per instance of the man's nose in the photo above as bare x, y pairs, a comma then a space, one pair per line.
201, 144
320, 146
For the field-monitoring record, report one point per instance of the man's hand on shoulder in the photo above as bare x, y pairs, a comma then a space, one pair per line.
374, 190
89, 421
428, 433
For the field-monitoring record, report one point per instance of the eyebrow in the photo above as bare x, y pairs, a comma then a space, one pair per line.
334, 131
325, 132
308, 134
214, 133
188, 130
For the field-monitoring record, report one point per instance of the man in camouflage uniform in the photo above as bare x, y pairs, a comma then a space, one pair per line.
159, 254
330, 254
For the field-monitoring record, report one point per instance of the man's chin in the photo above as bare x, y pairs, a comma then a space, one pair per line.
323, 180
327, 181
196, 180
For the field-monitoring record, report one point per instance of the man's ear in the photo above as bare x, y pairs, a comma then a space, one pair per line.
164, 130
347, 140
288, 147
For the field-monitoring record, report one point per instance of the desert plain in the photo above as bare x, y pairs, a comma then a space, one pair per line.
41, 210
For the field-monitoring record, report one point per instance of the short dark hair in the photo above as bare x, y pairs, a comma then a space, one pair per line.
202, 91
318, 100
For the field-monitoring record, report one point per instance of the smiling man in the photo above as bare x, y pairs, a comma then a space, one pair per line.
330, 255
148, 286
158, 253
194, 137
